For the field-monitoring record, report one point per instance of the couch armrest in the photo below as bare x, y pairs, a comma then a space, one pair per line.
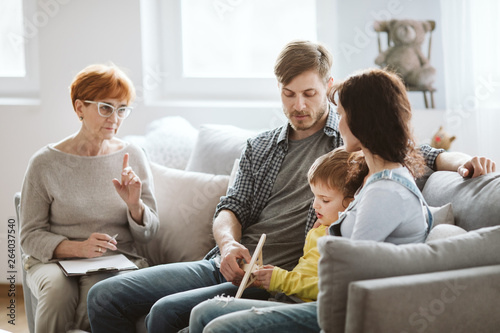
30, 301
464, 300
474, 200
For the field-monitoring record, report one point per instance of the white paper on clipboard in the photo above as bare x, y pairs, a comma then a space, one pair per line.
116, 262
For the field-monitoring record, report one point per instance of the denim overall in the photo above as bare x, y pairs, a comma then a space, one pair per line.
388, 175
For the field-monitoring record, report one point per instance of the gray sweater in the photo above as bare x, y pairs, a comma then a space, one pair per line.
68, 197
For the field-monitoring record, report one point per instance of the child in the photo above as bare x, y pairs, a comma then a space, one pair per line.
334, 178
375, 118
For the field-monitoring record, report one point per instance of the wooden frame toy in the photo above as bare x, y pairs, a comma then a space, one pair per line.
251, 267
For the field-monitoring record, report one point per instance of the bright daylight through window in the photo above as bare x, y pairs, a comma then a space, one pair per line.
241, 39
12, 57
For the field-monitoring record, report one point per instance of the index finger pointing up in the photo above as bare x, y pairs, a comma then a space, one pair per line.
125, 161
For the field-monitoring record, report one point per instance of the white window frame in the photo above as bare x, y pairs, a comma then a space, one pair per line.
163, 82
24, 90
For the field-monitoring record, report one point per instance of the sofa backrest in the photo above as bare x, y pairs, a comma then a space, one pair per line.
475, 202
186, 204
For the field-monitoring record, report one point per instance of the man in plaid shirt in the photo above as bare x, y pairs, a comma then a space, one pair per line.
270, 195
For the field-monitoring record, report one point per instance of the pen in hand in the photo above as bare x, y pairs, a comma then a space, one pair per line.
113, 238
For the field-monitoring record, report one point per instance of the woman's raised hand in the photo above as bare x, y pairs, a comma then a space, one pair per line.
130, 189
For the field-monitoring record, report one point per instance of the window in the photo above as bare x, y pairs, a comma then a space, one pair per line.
18, 45
241, 38
11, 27
220, 50
485, 54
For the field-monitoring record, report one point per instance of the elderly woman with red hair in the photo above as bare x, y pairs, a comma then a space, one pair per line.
78, 192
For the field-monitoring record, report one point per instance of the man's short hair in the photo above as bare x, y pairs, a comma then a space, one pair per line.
300, 56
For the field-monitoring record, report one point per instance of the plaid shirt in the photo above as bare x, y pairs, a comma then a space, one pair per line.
430, 154
259, 166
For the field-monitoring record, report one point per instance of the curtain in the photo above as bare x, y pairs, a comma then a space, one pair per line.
471, 48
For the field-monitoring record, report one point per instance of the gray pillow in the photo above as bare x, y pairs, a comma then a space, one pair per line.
217, 147
343, 261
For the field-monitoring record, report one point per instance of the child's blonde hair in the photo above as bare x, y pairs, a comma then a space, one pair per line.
339, 170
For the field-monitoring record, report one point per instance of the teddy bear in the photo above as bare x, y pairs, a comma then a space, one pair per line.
442, 140
405, 56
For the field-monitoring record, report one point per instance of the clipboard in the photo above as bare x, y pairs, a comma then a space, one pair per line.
251, 267
105, 264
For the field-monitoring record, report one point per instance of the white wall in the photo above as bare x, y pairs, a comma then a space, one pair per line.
81, 32
78, 33
356, 48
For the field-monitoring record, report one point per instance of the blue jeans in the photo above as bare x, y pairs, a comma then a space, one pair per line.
166, 293
244, 315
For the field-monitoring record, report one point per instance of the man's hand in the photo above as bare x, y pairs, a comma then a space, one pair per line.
465, 165
476, 167
231, 254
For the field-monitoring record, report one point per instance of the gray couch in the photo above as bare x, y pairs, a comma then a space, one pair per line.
191, 169
375, 302
446, 285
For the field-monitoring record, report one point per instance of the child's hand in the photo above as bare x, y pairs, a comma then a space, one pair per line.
263, 276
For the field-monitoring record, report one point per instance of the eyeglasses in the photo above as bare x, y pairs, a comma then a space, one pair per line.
106, 110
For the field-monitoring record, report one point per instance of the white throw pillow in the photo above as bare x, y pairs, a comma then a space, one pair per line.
186, 205
217, 147
442, 215
169, 141
444, 231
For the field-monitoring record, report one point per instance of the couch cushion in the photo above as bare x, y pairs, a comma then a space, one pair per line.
217, 147
343, 261
461, 300
475, 201
169, 141
186, 205
441, 231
